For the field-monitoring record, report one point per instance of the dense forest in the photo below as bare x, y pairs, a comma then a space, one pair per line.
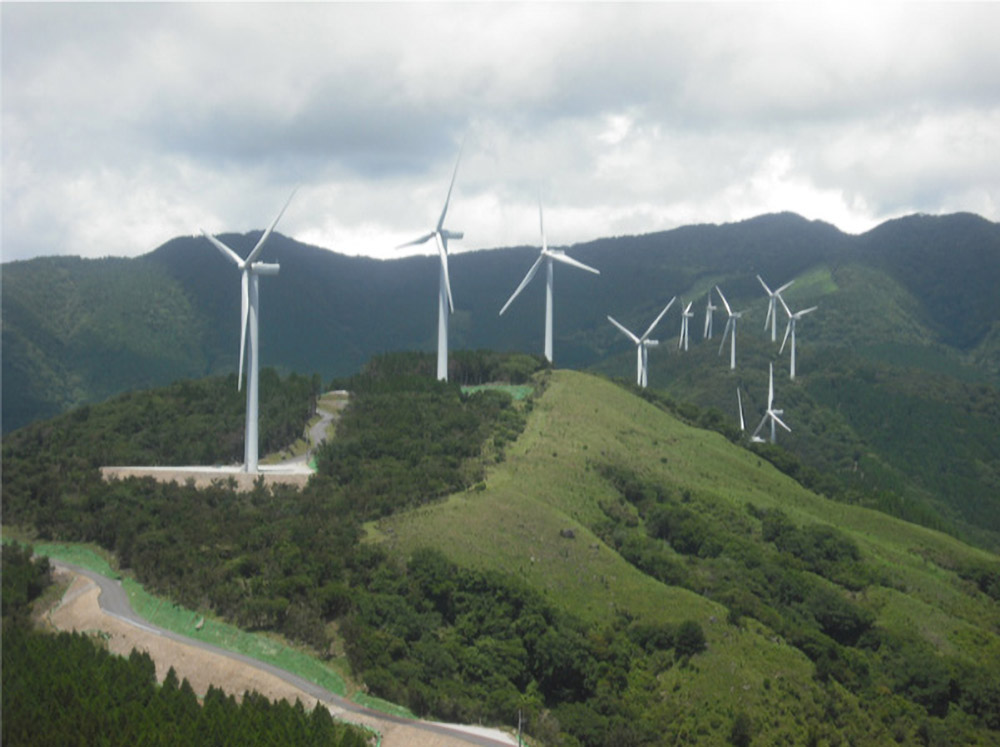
65, 689
454, 642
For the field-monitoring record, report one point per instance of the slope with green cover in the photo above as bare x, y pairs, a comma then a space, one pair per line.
841, 640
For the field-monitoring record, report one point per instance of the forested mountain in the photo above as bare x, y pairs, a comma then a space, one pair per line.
586, 556
76, 331
896, 393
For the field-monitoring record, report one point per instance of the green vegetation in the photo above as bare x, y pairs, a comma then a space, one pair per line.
66, 689
808, 596
582, 556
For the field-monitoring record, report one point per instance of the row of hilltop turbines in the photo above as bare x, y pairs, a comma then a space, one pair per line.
251, 270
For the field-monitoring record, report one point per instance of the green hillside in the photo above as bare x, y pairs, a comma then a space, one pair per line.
555, 478
581, 555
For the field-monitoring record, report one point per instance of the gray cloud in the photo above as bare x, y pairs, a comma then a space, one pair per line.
127, 124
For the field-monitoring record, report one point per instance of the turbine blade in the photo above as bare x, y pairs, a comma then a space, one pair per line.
657, 320
421, 240
765, 285
739, 400
560, 257
806, 311
788, 329
226, 251
780, 422
787, 310
724, 301
632, 337
260, 244
541, 223
770, 310
524, 283
784, 287
729, 324
444, 211
759, 426
244, 312
443, 253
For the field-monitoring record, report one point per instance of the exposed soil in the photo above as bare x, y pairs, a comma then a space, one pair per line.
79, 610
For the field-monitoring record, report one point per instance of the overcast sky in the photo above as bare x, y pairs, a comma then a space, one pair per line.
125, 125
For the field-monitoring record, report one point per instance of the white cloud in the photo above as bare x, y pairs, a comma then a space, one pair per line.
127, 124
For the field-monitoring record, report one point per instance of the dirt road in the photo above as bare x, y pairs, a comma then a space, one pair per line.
96, 603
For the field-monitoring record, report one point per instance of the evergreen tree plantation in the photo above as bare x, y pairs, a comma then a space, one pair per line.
616, 565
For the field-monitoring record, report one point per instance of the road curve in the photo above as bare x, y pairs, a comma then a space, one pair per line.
114, 601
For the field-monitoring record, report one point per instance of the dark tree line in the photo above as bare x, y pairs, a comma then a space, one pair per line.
65, 689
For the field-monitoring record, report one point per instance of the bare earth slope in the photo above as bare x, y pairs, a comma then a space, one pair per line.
202, 665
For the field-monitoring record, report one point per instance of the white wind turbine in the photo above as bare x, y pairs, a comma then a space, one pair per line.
772, 306
251, 271
730, 327
642, 344
709, 308
770, 414
792, 319
548, 255
682, 342
445, 305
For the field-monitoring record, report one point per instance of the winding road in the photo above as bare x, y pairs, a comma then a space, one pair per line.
114, 603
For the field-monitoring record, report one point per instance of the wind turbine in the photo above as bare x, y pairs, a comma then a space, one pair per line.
792, 319
445, 304
548, 255
730, 326
251, 271
772, 304
770, 414
686, 314
642, 344
709, 308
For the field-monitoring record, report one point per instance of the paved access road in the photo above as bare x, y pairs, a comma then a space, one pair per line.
114, 601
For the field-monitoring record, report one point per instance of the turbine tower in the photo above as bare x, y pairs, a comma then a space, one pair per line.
734, 316
445, 304
251, 271
770, 414
772, 304
709, 308
642, 345
548, 255
792, 319
682, 342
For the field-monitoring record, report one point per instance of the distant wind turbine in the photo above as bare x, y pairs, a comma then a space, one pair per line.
642, 344
548, 255
682, 342
249, 317
792, 319
734, 316
709, 308
445, 304
770, 414
772, 306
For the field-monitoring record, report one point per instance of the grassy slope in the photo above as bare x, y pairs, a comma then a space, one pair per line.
547, 484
